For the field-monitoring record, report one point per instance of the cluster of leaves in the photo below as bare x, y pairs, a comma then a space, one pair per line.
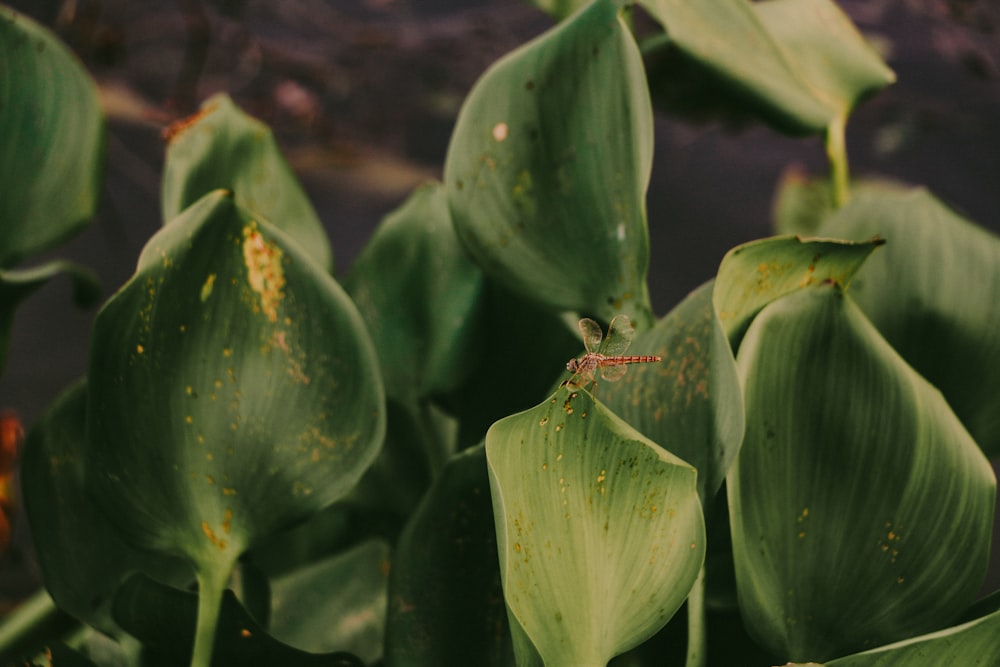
807, 468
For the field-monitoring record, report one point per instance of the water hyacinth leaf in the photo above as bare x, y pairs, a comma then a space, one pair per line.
691, 402
600, 531
163, 619
800, 64
337, 604
877, 520
559, 9
971, 644
421, 297
754, 274
65, 520
446, 601
233, 390
933, 294
802, 204
16, 285
548, 167
525, 349
221, 147
51, 167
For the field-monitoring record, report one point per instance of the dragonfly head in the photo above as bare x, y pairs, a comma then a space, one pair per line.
573, 365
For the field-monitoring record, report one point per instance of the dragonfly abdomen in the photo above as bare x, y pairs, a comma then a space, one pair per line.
628, 359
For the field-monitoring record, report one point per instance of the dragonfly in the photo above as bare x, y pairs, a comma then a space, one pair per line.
607, 355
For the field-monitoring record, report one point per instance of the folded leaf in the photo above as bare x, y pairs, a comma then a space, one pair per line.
221, 147
52, 133
446, 604
599, 530
861, 509
548, 167
64, 520
691, 402
933, 293
800, 64
421, 297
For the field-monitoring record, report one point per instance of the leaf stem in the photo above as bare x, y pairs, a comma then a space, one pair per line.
836, 153
33, 622
697, 641
211, 585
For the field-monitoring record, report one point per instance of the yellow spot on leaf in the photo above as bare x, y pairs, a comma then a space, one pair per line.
264, 270
140, 349
206, 289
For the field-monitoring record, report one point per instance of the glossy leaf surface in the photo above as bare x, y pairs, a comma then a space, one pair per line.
691, 402
933, 293
51, 166
337, 604
861, 509
221, 147
163, 618
801, 64
421, 297
233, 388
64, 520
446, 602
548, 167
600, 531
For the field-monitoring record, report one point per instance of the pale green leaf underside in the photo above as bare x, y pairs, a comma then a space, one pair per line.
756, 273
600, 531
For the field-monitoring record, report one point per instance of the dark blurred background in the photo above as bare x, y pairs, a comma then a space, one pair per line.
362, 95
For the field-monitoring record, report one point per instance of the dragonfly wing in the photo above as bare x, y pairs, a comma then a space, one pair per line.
612, 373
592, 334
620, 335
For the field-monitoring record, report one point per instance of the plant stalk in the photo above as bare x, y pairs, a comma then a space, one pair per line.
211, 585
34, 622
836, 153
697, 650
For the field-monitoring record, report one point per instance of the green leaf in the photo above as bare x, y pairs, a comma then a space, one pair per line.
548, 167
16, 285
446, 602
163, 619
222, 147
526, 349
972, 644
337, 604
65, 521
933, 294
801, 204
861, 510
421, 297
756, 273
52, 133
800, 64
233, 392
599, 530
691, 402
559, 9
